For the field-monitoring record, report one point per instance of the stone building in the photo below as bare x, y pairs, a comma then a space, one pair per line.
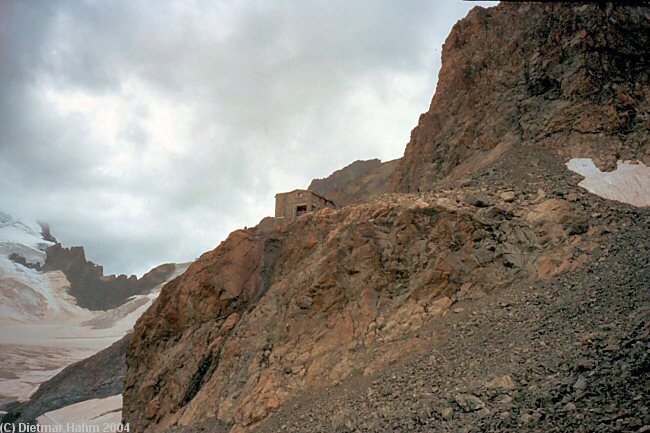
290, 205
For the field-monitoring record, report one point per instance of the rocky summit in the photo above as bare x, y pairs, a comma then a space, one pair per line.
486, 291
94, 290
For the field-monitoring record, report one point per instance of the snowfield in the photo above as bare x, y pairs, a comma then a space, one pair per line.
23, 238
25, 293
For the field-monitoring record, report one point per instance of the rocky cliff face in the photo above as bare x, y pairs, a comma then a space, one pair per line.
271, 313
572, 79
356, 182
278, 313
91, 288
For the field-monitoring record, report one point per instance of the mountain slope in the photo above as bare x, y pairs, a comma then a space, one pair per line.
269, 313
27, 293
573, 80
276, 315
564, 355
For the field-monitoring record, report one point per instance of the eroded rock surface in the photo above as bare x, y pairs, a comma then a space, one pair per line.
271, 313
573, 79
565, 354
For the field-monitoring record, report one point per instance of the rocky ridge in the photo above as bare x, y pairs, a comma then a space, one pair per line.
346, 320
565, 354
570, 78
91, 288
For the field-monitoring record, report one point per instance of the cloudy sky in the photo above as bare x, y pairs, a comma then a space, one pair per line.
148, 130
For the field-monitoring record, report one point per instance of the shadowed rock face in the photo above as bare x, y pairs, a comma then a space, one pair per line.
99, 376
91, 288
573, 79
356, 182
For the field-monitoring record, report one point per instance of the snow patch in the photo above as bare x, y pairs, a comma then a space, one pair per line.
95, 412
124, 316
629, 183
23, 238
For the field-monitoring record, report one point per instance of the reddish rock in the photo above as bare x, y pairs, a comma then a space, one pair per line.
270, 313
570, 78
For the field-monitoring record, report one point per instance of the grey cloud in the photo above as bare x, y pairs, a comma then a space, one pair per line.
147, 131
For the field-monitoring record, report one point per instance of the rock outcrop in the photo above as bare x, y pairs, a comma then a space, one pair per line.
570, 78
273, 312
565, 354
91, 288
356, 182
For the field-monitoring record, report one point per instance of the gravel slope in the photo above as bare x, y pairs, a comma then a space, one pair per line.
570, 354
